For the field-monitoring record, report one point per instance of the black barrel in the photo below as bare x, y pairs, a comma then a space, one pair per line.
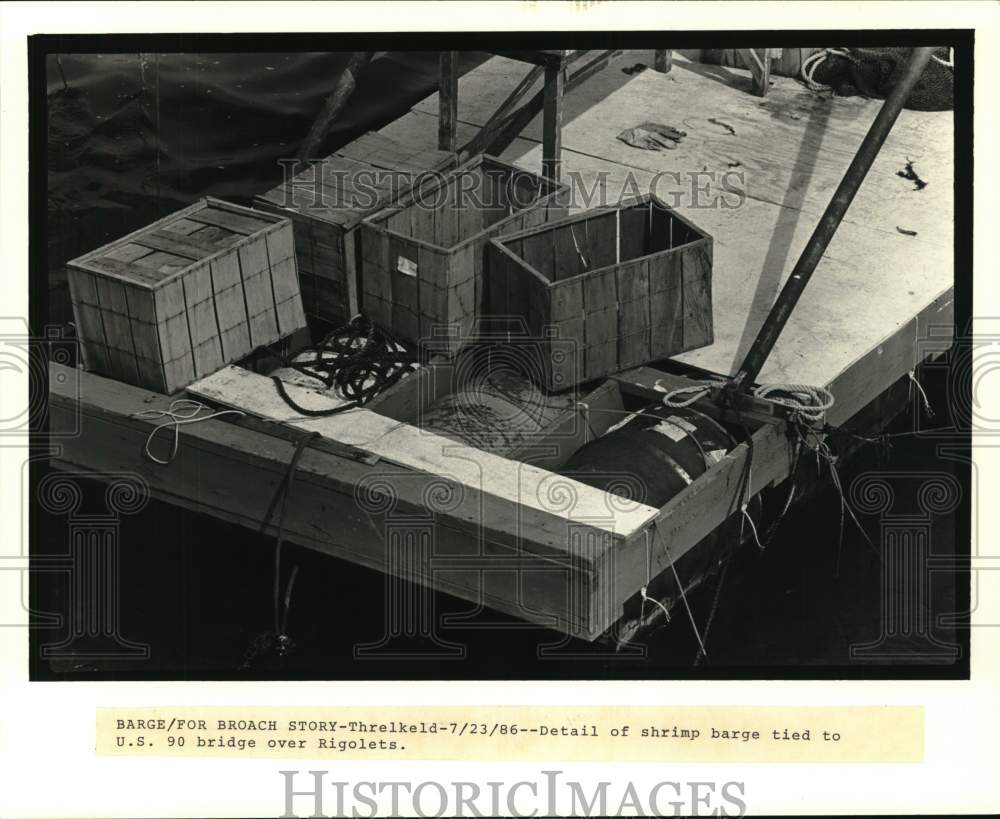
650, 458
652, 455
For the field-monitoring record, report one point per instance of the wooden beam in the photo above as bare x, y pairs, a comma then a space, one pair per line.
663, 60
448, 101
555, 79
481, 141
760, 68
499, 132
334, 104
485, 552
547, 57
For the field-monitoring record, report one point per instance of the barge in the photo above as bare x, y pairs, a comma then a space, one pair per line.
509, 531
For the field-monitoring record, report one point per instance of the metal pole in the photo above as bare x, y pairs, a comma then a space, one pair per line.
829, 222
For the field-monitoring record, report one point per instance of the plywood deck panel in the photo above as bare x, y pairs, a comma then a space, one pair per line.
793, 147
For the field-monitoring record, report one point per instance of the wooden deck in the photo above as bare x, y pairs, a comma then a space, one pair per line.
793, 147
858, 329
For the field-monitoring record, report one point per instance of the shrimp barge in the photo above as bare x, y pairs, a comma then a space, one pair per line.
512, 528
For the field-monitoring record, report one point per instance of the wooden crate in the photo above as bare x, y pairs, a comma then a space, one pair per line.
422, 259
327, 202
179, 299
605, 290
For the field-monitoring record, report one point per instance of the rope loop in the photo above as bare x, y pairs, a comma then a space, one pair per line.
695, 393
180, 411
808, 403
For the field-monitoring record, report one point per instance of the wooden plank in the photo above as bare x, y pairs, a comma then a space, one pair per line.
662, 60
178, 245
696, 264
231, 472
601, 235
567, 261
694, 513
537, 251
404, 258
634, 232
635, 319
666, 305
432, 284
553, 119
236, 222
518, 484
448, 111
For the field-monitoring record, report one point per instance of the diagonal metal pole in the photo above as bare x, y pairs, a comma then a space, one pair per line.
828, 224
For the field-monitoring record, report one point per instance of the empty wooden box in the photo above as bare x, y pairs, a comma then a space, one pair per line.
605, 290
327, 201
422, 259
180, 298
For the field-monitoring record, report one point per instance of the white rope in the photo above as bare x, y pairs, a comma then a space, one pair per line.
181, 411
642, 591
753, 528
927, 403
806, 401
654, 601
696, 393
949, 63
814, 60
680, 586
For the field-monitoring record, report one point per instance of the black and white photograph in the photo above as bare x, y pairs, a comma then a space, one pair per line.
571, 357
599, 362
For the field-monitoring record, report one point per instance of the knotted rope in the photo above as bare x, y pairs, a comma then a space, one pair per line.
808, 403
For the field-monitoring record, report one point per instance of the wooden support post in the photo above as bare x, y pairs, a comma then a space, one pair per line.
334, 104
555, 78
448, 102
760, 68
663, 60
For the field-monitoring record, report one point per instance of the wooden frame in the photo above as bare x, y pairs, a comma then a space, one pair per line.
607, 289
760, 68
178, 299
507, 123
539, 566
90, 417
326, 211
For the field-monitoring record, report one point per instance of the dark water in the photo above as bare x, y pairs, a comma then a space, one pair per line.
133, 137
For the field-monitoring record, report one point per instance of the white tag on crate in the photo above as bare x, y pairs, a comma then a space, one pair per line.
406, 266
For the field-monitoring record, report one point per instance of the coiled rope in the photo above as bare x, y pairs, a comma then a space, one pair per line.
357, 361
815, 60
807, 402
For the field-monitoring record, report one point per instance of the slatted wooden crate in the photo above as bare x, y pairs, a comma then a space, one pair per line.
607, 289
327, 202
178, 299
422, 259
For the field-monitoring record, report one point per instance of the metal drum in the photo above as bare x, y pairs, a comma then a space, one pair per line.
652, 455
